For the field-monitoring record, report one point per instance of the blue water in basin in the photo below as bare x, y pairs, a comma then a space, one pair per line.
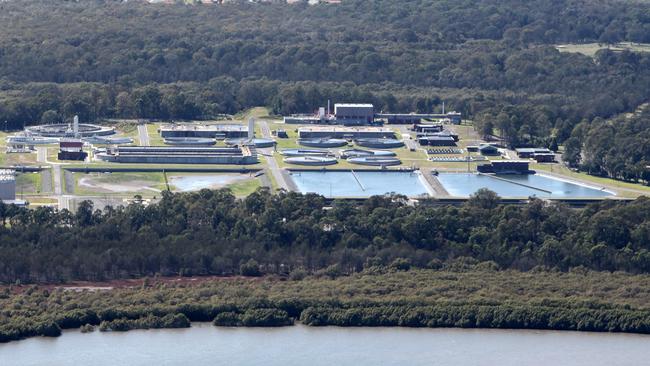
465, 184
366, 184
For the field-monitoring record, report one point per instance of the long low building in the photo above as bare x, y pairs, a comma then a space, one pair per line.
437, 140
530, 152
308, 120
414, 118
505, 167
181, 155
345, 132
221, 131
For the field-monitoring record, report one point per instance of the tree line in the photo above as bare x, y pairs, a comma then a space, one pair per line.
212, 233
616, 148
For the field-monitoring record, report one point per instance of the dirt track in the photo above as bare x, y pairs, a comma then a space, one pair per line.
129, 283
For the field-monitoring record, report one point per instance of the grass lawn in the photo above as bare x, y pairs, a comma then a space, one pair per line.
154, 136
244, 188
3, 145
52, 154
126, 184
127, 128
19, 158
41, 201
255, 112
28, 183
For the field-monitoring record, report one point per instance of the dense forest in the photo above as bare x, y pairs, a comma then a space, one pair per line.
212, 233
618, 148
494, 61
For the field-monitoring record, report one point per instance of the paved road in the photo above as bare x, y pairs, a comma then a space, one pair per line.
266, 131
274, 168
64, 201
41, 154
46, 180
143, 135
58, 186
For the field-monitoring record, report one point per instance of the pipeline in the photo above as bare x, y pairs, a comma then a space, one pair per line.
358, 180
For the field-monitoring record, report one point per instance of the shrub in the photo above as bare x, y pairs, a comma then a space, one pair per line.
332, 271
87, 328
298, 274
48, 329
401, 264
250, 268
266, 318
227, 319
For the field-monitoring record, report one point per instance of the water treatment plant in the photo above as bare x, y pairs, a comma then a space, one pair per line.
420, 158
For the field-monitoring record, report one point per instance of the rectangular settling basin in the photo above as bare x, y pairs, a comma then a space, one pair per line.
517, 185
360, 184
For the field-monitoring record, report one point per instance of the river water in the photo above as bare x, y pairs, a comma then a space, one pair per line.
204, 344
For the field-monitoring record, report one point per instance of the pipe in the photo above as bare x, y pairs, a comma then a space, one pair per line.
358, 180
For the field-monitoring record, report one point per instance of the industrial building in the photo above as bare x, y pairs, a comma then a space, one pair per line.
379, 143
347, 133
307, 120
354, 114
544, 157
71, 149
529, 152
454, 117
439, 134
487, 149
239, 155
428, 127
540, 154
403, 119
437, 140
505, 167
7, 185
219, 131
415, 118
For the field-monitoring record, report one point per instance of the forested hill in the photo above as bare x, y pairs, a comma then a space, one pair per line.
210, 232
107, 41
493, 60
